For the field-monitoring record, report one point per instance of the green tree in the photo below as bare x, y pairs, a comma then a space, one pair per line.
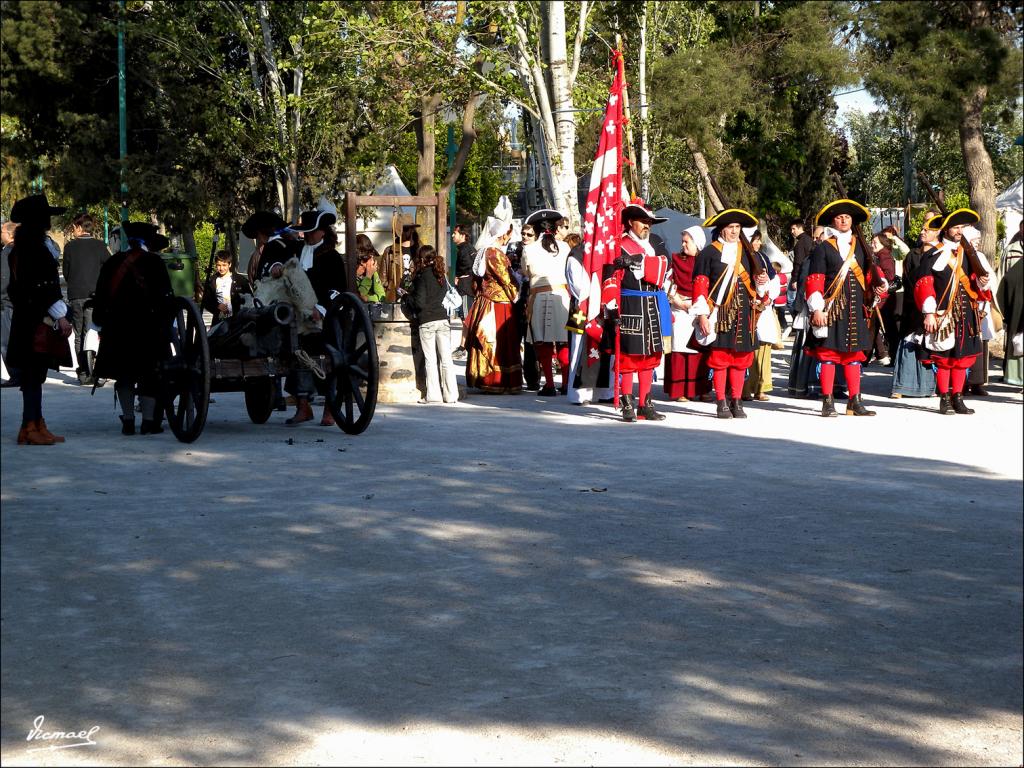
947, 62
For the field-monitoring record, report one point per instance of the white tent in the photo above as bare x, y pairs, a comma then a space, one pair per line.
1012, 196
671, 231
1010, 208
378, 227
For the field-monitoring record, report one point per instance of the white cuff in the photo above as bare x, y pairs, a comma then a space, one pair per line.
58, 309
700, 307
320, 309
929, 305
816, 302
613, 304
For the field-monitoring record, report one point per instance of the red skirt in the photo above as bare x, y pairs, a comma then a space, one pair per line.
686, 375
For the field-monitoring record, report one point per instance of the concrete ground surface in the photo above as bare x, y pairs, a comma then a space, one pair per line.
514, 580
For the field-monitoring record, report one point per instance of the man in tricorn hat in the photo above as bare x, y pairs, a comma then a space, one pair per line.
325, 269
843, 286
133, 308
730, 290
35, 294
632, 294
272, 250
951, 290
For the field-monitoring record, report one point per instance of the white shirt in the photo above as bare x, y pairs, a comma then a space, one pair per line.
223, 284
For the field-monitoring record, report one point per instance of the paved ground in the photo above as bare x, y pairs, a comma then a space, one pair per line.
514, 580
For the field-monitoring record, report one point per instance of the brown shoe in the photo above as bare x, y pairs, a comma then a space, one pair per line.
45, 430
762, 398
327, 420
303, 412
33, 436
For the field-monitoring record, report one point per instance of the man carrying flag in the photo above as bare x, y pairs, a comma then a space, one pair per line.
633, 294
586, 272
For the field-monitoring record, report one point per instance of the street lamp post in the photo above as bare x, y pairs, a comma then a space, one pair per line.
122, 114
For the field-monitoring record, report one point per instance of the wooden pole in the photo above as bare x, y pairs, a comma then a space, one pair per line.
350, 241
634, 179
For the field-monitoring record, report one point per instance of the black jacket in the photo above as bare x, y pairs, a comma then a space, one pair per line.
464, 269
801, 250
427, 295
83, 258
134, 306
239, 288
34, 288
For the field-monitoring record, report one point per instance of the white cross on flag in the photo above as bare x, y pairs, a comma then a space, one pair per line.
606, 198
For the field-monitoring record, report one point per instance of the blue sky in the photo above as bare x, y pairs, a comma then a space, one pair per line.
854, 101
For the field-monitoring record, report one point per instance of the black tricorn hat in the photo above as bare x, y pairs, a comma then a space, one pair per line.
263, 221
731, 216
851, 208
637, 210
960, 217
934, 222
33, 208
313, 220
545, 218
147, 233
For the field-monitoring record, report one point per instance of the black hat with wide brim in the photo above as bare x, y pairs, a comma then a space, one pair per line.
33, 208
310, 221
147, 233
732, 216
851, 208
263, 221
935, 222
637, 212
961, 217
545, 218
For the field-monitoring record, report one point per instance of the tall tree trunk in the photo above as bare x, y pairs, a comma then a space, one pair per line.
909, 146
705, 176
981, 181
645, 157
564, 169
425, 146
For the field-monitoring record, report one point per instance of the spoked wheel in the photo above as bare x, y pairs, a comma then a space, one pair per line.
187, 373
352, 381
260, 395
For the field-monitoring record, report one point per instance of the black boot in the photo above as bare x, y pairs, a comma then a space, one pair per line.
957, 401
723, 410
828, 406
856, 407
151, 427
647, 413
628, 411
736, 407
127, 426
945, 406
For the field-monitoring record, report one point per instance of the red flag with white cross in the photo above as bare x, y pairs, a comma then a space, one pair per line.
602, 225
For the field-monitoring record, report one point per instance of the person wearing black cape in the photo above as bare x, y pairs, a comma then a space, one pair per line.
39, 313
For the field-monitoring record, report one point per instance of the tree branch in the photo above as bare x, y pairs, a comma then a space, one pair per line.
577, 47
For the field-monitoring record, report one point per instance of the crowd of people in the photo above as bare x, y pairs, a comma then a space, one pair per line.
708, 317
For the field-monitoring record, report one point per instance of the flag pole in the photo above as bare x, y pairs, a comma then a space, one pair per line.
634, 179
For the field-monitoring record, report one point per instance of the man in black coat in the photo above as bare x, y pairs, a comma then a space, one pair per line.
35, 294
83, 258
464, 278
134, 308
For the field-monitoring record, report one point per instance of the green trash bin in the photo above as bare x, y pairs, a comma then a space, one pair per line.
181, 267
